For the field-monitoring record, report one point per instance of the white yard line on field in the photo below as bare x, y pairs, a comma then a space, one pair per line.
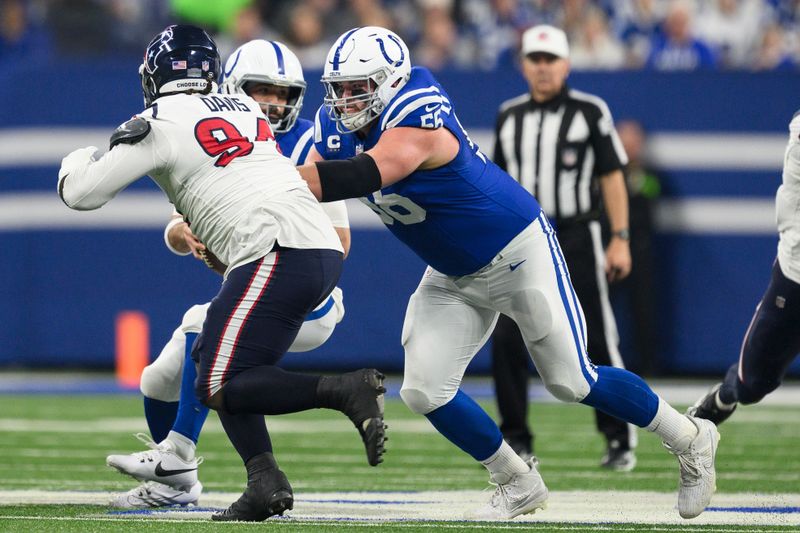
575, 507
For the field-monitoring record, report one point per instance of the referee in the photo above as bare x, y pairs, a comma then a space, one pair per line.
561, 145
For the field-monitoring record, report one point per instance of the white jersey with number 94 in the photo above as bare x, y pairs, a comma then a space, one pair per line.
216, 159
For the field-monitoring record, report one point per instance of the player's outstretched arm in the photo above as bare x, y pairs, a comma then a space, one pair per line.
399, 152
88, 181
402, 151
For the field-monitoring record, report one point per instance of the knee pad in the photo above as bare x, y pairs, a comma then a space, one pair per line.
319, 324
194, 317
161, 379
417, 401
566, 393
158, 386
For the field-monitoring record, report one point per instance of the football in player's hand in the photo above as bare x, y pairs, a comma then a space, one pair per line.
213, 262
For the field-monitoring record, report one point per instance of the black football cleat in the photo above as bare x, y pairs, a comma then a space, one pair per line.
268, 493
708, 408
359, 395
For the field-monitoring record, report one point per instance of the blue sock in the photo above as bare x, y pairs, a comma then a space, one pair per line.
160, 417
623, 394
465, 424
191, 413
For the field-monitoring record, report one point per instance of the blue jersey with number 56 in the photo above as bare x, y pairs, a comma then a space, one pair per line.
456, 217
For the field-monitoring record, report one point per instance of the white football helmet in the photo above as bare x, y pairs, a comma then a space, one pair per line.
372, 54
268, 62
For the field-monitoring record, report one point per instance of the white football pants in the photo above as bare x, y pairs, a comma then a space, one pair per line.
161, 380
449, 318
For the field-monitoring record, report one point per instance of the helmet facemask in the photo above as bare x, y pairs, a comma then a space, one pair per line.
287, 113
367, 100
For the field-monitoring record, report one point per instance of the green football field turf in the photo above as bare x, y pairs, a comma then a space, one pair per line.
58, 444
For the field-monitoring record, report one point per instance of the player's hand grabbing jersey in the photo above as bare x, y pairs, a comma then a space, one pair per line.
216, 159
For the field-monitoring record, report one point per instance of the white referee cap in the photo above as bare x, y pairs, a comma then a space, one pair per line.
546, 39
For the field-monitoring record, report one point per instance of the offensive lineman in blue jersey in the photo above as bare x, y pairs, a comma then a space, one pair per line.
272, 75
389, 133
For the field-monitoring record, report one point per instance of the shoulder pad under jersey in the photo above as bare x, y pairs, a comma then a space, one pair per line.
131, 132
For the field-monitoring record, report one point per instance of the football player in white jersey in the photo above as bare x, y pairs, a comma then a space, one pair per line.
772, 340
388, 133
271, 74
216, 158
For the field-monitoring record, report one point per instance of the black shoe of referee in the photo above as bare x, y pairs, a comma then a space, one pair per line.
268, 493
359, 395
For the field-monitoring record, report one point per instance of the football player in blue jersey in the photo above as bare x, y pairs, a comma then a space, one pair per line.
271, 74
388, 133
772, 341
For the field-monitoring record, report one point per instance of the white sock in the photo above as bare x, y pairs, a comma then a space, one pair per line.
720, 405
504, 463
675, 429
182, 446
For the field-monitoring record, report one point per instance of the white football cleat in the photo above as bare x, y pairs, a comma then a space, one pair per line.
514, 495
698, 476
159, 464
151, 494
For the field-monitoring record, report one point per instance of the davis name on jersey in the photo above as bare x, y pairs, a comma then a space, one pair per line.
456, 217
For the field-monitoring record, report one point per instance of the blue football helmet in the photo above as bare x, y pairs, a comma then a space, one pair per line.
180, 59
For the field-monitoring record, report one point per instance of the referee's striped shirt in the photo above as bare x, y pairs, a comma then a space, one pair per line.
556, 149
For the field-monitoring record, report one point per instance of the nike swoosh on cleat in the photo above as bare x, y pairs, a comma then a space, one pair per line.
514, 267
161, 472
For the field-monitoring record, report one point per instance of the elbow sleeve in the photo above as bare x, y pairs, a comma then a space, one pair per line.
351, 178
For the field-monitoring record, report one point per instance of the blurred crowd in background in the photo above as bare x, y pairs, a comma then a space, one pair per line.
462, 34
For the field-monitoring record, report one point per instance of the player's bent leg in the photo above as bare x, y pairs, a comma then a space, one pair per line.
161, 380
441, 334
771, 343
565, 368
172, 460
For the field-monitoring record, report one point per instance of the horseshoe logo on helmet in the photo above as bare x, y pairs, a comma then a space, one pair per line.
389, 60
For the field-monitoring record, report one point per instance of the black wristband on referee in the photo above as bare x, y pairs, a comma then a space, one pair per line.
350, 178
